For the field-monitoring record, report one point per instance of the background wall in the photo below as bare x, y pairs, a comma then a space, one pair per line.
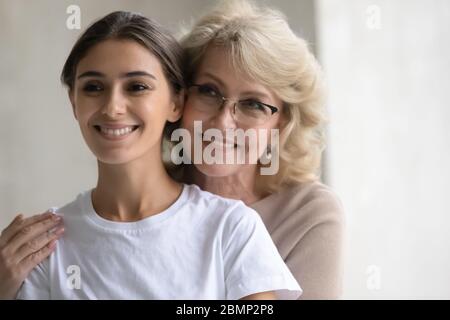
388, 72
388, 69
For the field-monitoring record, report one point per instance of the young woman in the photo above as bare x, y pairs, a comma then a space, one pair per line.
139, 234
246, 69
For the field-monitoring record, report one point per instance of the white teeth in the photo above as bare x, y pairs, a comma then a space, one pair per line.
116, 132
221, 144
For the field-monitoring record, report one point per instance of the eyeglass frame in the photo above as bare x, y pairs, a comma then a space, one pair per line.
273, 109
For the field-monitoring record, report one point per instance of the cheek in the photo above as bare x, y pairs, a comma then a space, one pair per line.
274, 124
84, 114
86, 107
153, 120
152, 115
264, 136
190, 115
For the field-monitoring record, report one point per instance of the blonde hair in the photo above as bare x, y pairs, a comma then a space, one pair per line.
261, 44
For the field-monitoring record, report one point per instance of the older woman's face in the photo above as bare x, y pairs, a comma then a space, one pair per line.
216, 76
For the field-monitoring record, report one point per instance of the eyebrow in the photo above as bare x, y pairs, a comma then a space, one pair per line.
210, 75
250, 92
92, 73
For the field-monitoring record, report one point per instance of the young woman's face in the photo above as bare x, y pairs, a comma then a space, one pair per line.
216, 72
122, 100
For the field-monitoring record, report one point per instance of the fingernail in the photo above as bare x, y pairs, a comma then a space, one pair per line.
59, 225
52, 245
56, 217
59, 232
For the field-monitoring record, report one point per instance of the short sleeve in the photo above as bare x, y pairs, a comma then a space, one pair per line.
252, 263
36, 286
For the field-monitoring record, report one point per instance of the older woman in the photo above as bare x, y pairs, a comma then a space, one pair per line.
241, 57
246, 69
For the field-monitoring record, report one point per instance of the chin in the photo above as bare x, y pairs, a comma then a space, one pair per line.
113, 157
218, 170
113, 160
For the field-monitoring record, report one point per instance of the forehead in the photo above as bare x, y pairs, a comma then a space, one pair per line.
216, 63
112, 56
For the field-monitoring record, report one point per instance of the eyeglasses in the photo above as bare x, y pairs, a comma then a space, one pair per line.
247, 112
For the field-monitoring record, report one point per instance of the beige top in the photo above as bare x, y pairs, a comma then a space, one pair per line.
306, 223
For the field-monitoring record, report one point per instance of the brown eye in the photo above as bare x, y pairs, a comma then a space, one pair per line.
137, 87
91, 87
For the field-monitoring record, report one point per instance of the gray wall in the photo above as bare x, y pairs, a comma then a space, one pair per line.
389, 141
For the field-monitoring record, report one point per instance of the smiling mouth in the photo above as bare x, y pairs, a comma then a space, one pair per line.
221, 144
117, 132
218, 143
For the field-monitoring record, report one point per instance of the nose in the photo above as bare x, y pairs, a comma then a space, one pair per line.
114, 105
224, 119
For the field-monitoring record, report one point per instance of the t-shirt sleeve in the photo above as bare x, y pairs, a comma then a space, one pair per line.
36, 286
252, 263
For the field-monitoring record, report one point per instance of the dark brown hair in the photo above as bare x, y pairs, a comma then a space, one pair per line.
129, 26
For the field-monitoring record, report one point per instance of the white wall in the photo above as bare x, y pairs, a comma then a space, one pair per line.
389, 141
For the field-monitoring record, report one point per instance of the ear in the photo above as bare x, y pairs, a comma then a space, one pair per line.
72, 102
176, 107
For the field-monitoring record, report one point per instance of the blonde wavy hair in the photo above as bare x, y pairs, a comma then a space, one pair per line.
261, 44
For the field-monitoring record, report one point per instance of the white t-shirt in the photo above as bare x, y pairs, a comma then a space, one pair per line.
202, 247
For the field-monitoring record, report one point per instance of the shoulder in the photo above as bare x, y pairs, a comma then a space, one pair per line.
315, 202
218, 204
301, 206
318, 196
317, 216
230, 213
74, 207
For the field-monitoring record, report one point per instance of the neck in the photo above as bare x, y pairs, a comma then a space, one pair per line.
135, 190
239, 186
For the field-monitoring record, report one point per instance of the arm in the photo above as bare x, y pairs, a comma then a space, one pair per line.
254, 270
23, 245
268, 295
316, 259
